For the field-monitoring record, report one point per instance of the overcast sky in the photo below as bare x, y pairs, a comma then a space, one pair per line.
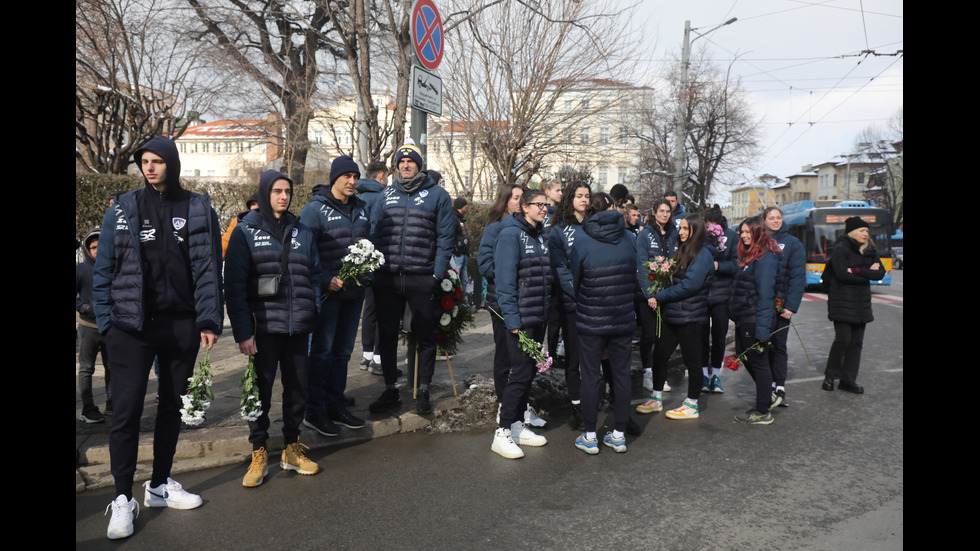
798, 60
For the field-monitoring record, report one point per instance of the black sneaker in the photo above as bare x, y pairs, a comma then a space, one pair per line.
108, 408
422, 404
93, 416
389, 399
632, 428
343, 417
321, 424
348, 401
781, 394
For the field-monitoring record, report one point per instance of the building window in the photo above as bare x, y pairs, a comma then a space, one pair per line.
183, 148
227, 147
210, 173
860, 177
586, 135
603, 135
204, 148
835, 180
585, 104
194, 148
197, 172
568, 105
318, 137
435, 145
624, 135
603, 178
239, 147
622, 173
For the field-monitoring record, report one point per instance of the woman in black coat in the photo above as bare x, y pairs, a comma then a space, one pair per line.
854, 263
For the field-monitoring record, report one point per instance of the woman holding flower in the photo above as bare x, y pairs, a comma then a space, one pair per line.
603, 264
684, 313
752, 307
522, 276
658, 239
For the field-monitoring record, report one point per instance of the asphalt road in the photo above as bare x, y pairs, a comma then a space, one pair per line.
828, 474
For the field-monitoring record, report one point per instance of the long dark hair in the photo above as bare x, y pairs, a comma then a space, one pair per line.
652, 217
565, 211
761, 242
498, 211
689, 250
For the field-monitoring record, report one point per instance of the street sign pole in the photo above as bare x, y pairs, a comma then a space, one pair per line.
428, 42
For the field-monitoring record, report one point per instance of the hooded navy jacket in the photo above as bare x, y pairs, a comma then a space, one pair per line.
686, 299
255, 250
83, 279
414, 231
603, 264
369, 191
171, 269
336, 227
522, 274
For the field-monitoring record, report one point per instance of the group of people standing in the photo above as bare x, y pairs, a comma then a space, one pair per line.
553, 257
158, 288
580, 261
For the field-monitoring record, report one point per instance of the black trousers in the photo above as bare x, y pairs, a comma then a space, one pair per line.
522, 371
286, 353
845, 353
369, 323
713, 343
391, 294
779, 353
619, 348
573, 370
757, 364
175, 340
689, 336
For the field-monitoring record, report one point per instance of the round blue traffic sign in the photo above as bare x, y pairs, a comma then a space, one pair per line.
427, 36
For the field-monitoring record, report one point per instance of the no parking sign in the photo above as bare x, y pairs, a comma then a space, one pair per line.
427, 36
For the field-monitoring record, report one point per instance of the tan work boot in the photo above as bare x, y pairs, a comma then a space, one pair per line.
258, 470
293, 459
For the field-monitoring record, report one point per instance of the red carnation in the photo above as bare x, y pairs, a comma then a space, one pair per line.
459, 293
447, 303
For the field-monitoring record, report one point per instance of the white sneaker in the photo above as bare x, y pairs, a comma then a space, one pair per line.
666, 386
648, 381
524, 436
121, 521
531, 418
504, 446
171, 494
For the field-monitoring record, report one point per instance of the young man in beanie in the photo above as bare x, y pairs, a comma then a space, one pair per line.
157, 293
339, 219
413, 226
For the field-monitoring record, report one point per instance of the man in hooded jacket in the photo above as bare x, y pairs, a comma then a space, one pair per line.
90, 342
157, 293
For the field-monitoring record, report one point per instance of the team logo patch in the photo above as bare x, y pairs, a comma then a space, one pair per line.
424, 192
179, 223
295, 232
782, 246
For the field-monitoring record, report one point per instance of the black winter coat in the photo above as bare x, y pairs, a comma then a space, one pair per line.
849, 297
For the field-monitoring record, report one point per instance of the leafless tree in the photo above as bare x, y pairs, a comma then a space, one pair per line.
517, 63
134, 79
722, 134
882, 152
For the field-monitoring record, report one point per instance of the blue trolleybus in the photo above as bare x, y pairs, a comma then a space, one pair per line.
819, 228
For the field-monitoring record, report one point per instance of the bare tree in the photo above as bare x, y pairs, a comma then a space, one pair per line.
881, 153
521, 61
134, 79
722, 134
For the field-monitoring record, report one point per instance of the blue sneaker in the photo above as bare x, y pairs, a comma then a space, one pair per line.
617, 444
705, 384
590, 447
716, 385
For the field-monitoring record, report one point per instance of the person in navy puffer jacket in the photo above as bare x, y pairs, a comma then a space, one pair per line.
413, 226
789, 290
274, 329
657, 238
369, 190
507, 203
338, 219
522, 274
603, 264
752, 308
567, 226
724, 250
684, 310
